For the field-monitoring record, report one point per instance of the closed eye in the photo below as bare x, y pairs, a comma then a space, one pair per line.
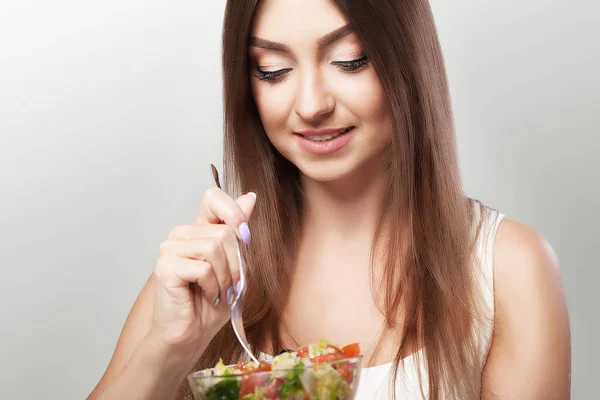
272, 76
352, 65
279, 75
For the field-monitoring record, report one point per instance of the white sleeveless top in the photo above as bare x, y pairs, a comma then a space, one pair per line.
375, 382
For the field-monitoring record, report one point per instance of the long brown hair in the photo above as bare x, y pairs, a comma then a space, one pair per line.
435, 289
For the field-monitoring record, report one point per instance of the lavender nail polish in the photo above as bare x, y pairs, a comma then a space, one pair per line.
230, 295
216, 301
245, 232
238, 286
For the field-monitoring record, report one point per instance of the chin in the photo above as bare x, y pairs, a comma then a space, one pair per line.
327, 170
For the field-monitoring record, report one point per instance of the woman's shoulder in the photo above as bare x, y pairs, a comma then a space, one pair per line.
531, 335
515, 248
521, 253
527, 279
519, 262
521, 258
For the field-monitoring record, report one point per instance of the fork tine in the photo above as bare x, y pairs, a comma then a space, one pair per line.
236, 308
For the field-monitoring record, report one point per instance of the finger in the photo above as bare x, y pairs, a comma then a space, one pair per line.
218, 207
247, 203
200, 272
221, 232
184, 232
230, 245
212, 251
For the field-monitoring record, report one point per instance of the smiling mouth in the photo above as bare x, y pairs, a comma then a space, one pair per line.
324, 138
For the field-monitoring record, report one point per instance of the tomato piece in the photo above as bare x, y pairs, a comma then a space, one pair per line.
271, 392
351, 350
335, 349
264, 366
344, 370
248, 366
250, 380
302, 352
327, 358
239, 366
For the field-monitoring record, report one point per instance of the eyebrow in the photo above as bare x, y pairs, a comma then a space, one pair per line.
323, 42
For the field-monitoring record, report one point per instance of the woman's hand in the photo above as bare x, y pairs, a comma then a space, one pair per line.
196, 274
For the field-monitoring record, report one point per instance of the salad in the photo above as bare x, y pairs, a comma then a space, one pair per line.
318, 371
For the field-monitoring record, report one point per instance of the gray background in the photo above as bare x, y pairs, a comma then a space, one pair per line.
110, 113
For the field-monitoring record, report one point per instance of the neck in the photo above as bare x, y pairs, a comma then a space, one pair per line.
347, 208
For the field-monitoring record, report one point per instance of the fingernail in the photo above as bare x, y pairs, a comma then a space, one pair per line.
251, 194
230, 295
216, 301
245, 232
238, 286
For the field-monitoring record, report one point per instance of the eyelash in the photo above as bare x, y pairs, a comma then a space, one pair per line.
345, 66
272, 76
352, 65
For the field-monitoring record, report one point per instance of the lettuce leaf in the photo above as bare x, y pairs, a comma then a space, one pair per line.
293, 383
225, 389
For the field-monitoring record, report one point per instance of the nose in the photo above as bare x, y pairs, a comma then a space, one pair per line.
313, 100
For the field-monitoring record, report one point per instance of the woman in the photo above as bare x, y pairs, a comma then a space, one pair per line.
338, 128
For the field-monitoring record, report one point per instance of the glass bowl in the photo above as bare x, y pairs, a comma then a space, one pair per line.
324, 381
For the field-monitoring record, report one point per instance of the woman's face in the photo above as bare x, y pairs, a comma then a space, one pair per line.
319, 99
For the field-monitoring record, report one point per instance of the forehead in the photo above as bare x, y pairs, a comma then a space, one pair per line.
296, 21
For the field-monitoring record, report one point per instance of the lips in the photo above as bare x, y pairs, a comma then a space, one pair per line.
323, 135
324, 141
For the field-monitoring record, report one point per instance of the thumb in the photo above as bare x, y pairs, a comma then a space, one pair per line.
246, 203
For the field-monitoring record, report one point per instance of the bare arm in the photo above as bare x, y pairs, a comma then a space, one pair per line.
530, 357
141, 366
181, 307
136, 326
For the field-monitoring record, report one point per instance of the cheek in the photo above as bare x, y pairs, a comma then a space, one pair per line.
364, 97
273, 103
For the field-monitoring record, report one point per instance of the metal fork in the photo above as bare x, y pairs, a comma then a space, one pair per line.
236, 306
